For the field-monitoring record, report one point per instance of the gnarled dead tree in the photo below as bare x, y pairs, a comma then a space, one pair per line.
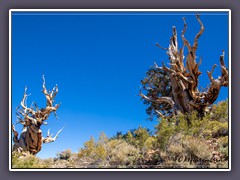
32, 118
174, 89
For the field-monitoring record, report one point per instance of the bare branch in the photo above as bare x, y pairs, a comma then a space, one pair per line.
32, 118
36, 106
224, 72
174, 37
222, 58
156, 66
54, 92
51, 94
185, 41
181, 84
210, 73
161, 47
24, 106
44, 82
144, 96
160, 100
216, 84
185, 26
48, 133
49, 137
168, 69
199, 62
55, 114
160, 114
195, 45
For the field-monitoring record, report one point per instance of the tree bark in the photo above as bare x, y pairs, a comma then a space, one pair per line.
185, 96
32, 118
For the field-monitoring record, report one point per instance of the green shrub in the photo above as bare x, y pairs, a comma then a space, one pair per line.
137, 137
179, 142
223, 141
220, 111
110, 153
150, 143
215, 129
26, 160
223, 146
88, 150
165, 130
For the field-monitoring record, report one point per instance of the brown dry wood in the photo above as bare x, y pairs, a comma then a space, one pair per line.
184, 79
32, 118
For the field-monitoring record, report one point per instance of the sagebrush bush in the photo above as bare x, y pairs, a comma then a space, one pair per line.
185, 141
196, 148
109, 152
65, 155
175, 151
121, 153
28, 161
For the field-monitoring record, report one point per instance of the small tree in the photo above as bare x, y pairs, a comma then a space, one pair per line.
174, 89
32, 118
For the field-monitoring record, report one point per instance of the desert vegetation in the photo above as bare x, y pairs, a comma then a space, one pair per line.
191, 132
203, 144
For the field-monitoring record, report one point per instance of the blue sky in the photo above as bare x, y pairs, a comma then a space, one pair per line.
98, 60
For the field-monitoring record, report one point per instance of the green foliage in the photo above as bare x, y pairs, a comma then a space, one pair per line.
88, 149
156, 84
190, 138
95, 150
185, 141
165, 130
113, 152
216, 129
210, 126
223, 141
130, 138
223, 146
101, 148
150, 143
140, 138
186, 144
28, 161
220, 111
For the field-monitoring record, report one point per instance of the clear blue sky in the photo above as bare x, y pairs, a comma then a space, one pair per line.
98, 60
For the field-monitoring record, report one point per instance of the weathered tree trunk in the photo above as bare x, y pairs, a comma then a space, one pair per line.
185, 96
32, 118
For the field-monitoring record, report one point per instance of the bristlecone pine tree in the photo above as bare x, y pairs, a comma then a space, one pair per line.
174, 89
32, 118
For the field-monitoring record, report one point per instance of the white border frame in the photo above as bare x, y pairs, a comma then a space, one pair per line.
113, 10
